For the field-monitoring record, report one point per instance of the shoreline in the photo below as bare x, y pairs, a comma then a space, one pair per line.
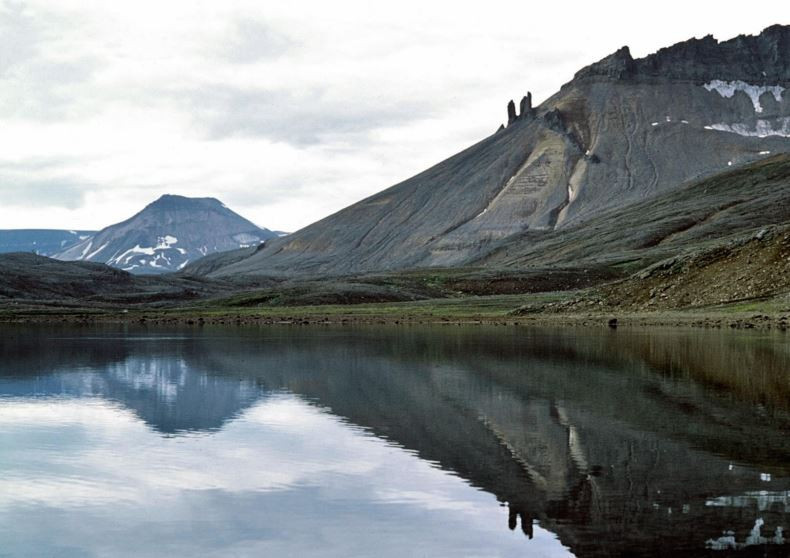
660, 319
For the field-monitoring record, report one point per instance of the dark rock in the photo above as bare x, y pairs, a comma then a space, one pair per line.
526, 110
554, 120
618, 65
753, 58
511, 112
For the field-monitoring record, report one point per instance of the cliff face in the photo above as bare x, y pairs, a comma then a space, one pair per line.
756, 59
622, 131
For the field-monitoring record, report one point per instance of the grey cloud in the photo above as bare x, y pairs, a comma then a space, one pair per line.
276, 191
299, 118
19, 36
35, 164
20, 191
253, 41
44, 90
32, 84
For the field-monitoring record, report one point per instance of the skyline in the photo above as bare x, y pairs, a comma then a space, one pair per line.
284, 117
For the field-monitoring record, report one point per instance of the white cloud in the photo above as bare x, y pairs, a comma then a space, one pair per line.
284, 478
285, 111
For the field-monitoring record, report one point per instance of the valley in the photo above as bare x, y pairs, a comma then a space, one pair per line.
715, 253
652, 190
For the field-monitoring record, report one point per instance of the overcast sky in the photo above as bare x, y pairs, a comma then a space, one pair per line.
285, 110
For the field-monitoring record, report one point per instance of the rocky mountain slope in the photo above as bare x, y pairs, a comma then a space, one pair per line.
168, 234
722, 240
44, 242
701, 214
743, 270
623, 130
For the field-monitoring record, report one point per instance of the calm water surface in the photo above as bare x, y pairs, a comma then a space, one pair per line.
442, 441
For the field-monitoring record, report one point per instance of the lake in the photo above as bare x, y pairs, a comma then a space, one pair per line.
393, 441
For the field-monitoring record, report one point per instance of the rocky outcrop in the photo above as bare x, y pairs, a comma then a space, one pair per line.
618, 65
553, 120
759, 59
526, 110
511, 112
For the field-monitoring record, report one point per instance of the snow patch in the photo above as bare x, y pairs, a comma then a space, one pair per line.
85, 251
728, 88
165, 242
761, 129
765, 152
126, 256
728, 542
246, 238
760, 499
654, 123
103, 246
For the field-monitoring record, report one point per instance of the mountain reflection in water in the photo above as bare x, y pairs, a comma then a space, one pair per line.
393, 441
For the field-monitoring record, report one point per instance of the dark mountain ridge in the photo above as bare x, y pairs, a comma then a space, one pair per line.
758, 59
44, 242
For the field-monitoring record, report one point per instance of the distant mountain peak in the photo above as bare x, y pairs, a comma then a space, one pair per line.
175, 201
167, 234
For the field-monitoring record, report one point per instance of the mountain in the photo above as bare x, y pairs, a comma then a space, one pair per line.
704, 213
167, 234
44, 242
722, 240
622, 131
